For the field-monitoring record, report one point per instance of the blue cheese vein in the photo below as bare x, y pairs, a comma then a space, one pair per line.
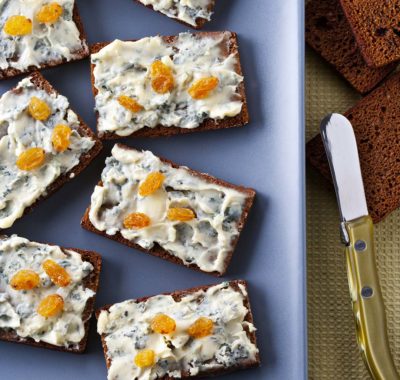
188, 11
204, 241
126, 330
46, 43
18, 308
18, 132
123, 68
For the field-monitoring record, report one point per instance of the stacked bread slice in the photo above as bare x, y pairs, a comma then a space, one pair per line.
342, 33
360, 42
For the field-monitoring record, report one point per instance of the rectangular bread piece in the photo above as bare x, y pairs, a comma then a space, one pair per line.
204, 238
21, 188
190, 57
67, 42
376, 123
329, 34
193, 14
225, 341
376, 27
20, 321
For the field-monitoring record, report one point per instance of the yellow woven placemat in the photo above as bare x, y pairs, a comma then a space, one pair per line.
333, 352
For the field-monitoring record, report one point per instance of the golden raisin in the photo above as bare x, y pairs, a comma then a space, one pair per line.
145, 358
136, 220
57, 273
51, 306
202, 88
18, 26
151, 184
162, 79
31, 158
49, 13
129, 103
60, 137
25, 279
201, 328
163, 324
39, 109
180, 214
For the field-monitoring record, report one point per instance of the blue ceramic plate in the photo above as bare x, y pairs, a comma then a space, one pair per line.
266, 155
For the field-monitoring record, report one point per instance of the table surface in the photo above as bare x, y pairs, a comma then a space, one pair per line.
266, 155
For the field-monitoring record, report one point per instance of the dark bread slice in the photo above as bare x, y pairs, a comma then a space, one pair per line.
329, 34
199, 21
376, 123
80, 54
83, 130
178, 295
161, 252
209, 124
376, 27
91, 282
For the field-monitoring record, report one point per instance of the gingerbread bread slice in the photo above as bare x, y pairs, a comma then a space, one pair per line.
376, 123
376, 27
234, 351
329, 34
83, 145
189, 14
224, 48
89, 283
203, 240
78, 49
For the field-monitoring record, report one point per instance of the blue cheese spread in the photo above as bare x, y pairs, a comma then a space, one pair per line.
20, 131
124, 68
127, 330
205, 241
18, 308
188, 11
47, 42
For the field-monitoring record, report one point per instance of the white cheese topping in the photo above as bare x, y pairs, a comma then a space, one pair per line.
204, 241
18, 132
47, 42
18, 307
126, 330
184, 10
123, 68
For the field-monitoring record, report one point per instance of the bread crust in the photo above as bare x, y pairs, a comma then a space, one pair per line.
91, 282
177, 295
199, 21
85, 159
329, 34
160, 252
80, 54
209, 124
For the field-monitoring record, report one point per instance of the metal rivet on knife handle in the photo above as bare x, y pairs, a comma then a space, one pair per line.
360, 245
367, 292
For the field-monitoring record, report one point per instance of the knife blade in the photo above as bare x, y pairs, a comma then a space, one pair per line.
341, 147
357, 229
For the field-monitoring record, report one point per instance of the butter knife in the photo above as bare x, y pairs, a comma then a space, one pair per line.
357, 234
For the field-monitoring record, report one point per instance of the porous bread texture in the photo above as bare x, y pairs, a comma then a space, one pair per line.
329, 34
376, 26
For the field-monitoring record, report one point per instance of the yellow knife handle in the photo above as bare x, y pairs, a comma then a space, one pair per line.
368, 306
